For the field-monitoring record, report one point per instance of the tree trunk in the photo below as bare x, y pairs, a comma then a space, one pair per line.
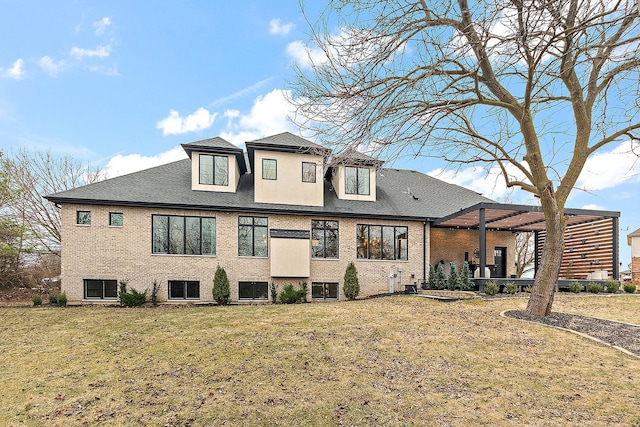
546, 278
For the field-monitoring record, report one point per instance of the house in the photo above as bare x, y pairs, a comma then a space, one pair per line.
279, 213
633, 240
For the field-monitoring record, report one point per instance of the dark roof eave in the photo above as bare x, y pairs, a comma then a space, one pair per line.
257, 209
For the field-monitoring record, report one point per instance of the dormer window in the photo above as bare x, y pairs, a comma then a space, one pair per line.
308, 172
269, 169
214, 170
356, 180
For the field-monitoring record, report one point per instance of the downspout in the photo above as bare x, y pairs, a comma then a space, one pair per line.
424, 255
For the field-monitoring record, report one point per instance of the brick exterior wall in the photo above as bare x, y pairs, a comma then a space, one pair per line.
99, 251
450, 245
635, 270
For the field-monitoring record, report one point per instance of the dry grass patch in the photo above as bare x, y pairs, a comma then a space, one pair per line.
390, 361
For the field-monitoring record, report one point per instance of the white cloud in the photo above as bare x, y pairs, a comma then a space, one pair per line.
50, 65
607, 169
101, 25
101, 51
277, 27
122, 165
269, 115
16, 71
593, 207
174, 124
304, 55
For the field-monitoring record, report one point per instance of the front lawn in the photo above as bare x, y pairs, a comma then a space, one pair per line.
398, 360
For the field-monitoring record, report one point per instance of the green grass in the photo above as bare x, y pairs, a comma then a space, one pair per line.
389, 361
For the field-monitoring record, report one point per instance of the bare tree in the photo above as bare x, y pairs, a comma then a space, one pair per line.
525, 253
36, 174
533, 87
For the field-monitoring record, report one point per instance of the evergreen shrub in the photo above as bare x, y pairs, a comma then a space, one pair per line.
351, 287
221, 292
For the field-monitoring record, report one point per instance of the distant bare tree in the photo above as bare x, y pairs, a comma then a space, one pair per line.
525, 253
533, 87
36, 174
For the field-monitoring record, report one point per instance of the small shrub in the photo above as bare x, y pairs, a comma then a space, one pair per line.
351, 287
575, 287
527, 289
510, 288
53, 299
154, 293
431, 283
491, 288
305, 288
441, 277
133, 298
453, 281
594, 287
62, 300
466, 283
290, 295
221, 292
37, 300
274, 292
629, 288
612, 286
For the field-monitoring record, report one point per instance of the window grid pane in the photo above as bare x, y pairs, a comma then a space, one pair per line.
363, 181
269, 169
221, 170
252, 236
115, 219
183, 235
382, 242
308, 172
83, 217
206, 169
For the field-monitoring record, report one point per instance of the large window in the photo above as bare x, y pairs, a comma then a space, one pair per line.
324, 239
269, 169
189, 235
253, 290
214, 170
308, 172
83, 217
252, 236
100, 289
184, 289
381, 242
321, 291
356, 180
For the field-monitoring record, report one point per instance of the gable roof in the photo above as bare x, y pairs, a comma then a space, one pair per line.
284, 142
401, 194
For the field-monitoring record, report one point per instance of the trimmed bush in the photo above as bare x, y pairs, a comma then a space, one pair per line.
221, 292
431, 283
453, 281
441, 278
37, 300
491, 288
612, 286
629, 288
62, 300
53, 299
527, 289
510, 288
466, 283
351, 286
575, 287
290, 295
594, 288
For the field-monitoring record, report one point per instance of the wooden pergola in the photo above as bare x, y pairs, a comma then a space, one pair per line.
591, 236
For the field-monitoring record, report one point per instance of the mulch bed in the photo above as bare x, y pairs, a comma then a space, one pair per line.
617, 334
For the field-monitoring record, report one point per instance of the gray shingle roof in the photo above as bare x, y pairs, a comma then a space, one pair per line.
400, 194
217, 145
288, 140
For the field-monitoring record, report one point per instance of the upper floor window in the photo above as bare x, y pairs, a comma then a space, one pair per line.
381, 242
116, 219
252, 236
308, 172
214, 170
356, 180
269, 169
324, 239
188, 235
83, 217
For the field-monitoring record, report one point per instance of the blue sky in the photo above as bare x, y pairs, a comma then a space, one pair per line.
122, 83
